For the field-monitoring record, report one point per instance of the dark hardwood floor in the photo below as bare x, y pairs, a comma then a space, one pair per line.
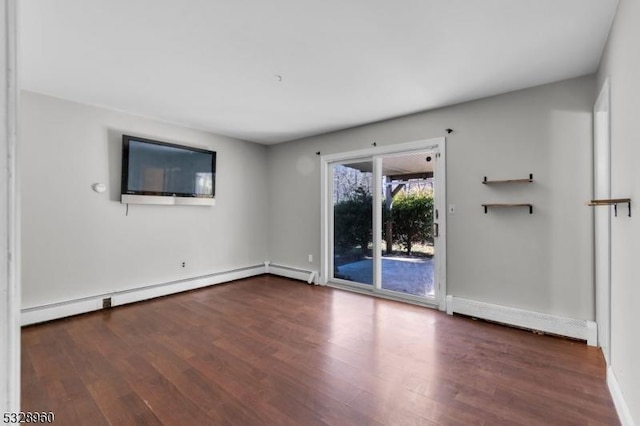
268, 350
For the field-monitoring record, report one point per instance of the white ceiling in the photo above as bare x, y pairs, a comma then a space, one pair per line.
272, 71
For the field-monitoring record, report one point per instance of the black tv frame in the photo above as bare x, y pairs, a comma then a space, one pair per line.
163, 198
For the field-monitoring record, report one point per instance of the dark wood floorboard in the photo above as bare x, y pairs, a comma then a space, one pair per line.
272, 351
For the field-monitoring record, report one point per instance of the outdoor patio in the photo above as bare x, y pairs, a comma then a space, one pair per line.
405, 275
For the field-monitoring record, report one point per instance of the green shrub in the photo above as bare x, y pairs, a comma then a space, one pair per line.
412, 215
353, 220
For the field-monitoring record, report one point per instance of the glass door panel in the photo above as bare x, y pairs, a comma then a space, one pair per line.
353, 221
407, 249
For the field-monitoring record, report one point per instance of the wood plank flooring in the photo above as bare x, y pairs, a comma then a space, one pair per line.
273, 351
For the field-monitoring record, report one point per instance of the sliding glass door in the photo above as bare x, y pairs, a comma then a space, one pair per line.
383, 229
353, 221
407, 250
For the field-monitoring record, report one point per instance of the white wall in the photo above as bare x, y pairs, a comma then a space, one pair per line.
621, 61
77, 243
541, 262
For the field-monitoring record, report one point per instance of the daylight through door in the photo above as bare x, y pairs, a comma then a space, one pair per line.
383, 223
407, 250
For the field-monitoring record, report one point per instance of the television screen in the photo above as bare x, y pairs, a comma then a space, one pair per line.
166, 173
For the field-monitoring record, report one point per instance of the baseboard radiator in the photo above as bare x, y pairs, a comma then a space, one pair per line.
311, 277
37, 314
553, 324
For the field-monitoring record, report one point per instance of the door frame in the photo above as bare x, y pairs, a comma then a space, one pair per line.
435, 144
9, 214
602, 133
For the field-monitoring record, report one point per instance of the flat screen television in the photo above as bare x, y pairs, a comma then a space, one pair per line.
155, 172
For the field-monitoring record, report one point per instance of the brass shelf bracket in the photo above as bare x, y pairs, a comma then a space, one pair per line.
612, 202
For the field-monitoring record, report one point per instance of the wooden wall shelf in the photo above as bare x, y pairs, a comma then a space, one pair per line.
487, 206
486, 181
612, 202
492, 182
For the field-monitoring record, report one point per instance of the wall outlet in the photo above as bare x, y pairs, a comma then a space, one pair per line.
310, 258
184, 264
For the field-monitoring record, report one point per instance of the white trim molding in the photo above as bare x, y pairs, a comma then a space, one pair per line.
9, 213
438, 146
624, 413
419, 145
53, 311
37, 314
602, 218
554, 324
389, 295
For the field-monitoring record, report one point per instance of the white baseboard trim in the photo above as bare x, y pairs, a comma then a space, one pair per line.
563, 326
54, 311
311, 277
618, 399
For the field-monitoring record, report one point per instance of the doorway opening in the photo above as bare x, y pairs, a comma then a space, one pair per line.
383, 227
602, 219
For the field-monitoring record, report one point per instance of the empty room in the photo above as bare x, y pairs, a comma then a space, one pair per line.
320, 213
